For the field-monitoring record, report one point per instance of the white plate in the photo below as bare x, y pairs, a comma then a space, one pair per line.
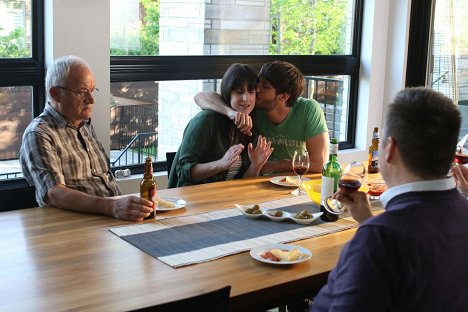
179, 203
277, 181
257, 253
243, 208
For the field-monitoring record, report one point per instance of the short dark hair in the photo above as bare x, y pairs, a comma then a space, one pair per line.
425, 125
236, 76
285, 78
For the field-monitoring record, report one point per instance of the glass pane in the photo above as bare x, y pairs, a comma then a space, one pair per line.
292, 27
448, 64
15, 116
149, 118
15, 29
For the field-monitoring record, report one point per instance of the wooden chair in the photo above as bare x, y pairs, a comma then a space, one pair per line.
17, 197
214, 301
169, 160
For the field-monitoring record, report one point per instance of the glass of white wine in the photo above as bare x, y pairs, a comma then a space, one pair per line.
300, 165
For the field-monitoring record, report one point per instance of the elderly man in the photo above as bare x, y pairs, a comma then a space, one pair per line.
289, 121
412, 257
61, 155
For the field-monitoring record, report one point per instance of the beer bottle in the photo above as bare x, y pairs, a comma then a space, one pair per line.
330, 175
373, 157
148, 186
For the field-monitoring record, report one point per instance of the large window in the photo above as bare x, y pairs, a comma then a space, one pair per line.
163, 52
438, 51
21, 77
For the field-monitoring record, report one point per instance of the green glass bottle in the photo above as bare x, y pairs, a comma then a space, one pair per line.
330, 175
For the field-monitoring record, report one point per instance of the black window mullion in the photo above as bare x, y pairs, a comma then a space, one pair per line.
418, 42
163, 68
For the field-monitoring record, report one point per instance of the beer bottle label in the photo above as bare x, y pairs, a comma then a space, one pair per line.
375, 159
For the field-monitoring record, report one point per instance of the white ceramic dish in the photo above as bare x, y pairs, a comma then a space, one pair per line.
179, 203
270, 215
305, 221
281, 181
257, 253
243, 208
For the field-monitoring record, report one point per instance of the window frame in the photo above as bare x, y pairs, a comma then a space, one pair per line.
163, 68
28, 72
418, 42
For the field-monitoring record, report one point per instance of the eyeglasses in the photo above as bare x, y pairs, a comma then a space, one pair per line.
81, 93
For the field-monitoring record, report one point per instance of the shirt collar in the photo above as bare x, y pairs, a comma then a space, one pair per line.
59, 118
429, 185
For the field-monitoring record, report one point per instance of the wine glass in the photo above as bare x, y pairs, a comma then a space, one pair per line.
350, 181
300, 165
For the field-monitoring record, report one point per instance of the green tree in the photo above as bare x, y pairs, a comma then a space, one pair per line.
13, 45
147, 34
303, 27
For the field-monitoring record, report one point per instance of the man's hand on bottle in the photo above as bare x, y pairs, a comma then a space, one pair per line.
357, 203
131, 208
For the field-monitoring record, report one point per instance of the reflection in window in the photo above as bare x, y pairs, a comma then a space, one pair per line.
15, 116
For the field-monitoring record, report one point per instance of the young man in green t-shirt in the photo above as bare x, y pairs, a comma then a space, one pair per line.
287, 120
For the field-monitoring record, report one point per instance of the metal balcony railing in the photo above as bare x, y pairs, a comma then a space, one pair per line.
142, 145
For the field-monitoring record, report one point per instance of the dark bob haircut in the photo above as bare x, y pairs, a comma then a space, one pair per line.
236, 76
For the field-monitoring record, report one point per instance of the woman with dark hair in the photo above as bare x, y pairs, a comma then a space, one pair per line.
212, 148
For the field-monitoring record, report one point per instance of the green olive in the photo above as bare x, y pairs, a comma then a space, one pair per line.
257, 211
299, 216
249, 210
256, 207
278, 213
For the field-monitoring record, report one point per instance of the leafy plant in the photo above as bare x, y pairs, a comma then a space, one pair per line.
304, 27
146, 34
13, 45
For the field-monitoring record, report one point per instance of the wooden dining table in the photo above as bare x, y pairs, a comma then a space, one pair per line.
55, 260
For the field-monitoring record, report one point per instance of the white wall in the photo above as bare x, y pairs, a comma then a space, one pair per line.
82, 28
383, 67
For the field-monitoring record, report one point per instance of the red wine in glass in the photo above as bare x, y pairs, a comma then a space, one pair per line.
300, 170
349, 185
300, 165
461, 159
350, 181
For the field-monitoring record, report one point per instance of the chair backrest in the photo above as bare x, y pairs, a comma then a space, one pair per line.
214, 301
169, 160
13, 198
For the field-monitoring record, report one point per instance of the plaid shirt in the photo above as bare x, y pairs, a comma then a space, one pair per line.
56, 152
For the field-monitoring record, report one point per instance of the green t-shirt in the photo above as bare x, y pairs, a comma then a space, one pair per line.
304, 121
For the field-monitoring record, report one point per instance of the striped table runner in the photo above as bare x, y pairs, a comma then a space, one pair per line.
186, 240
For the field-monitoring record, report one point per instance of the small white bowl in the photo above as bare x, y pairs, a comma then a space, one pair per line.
270, 215
243, 208
306, 221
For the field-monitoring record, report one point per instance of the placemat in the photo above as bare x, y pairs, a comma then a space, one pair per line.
185, 240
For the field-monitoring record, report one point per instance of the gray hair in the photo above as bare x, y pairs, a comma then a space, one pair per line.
57, 74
